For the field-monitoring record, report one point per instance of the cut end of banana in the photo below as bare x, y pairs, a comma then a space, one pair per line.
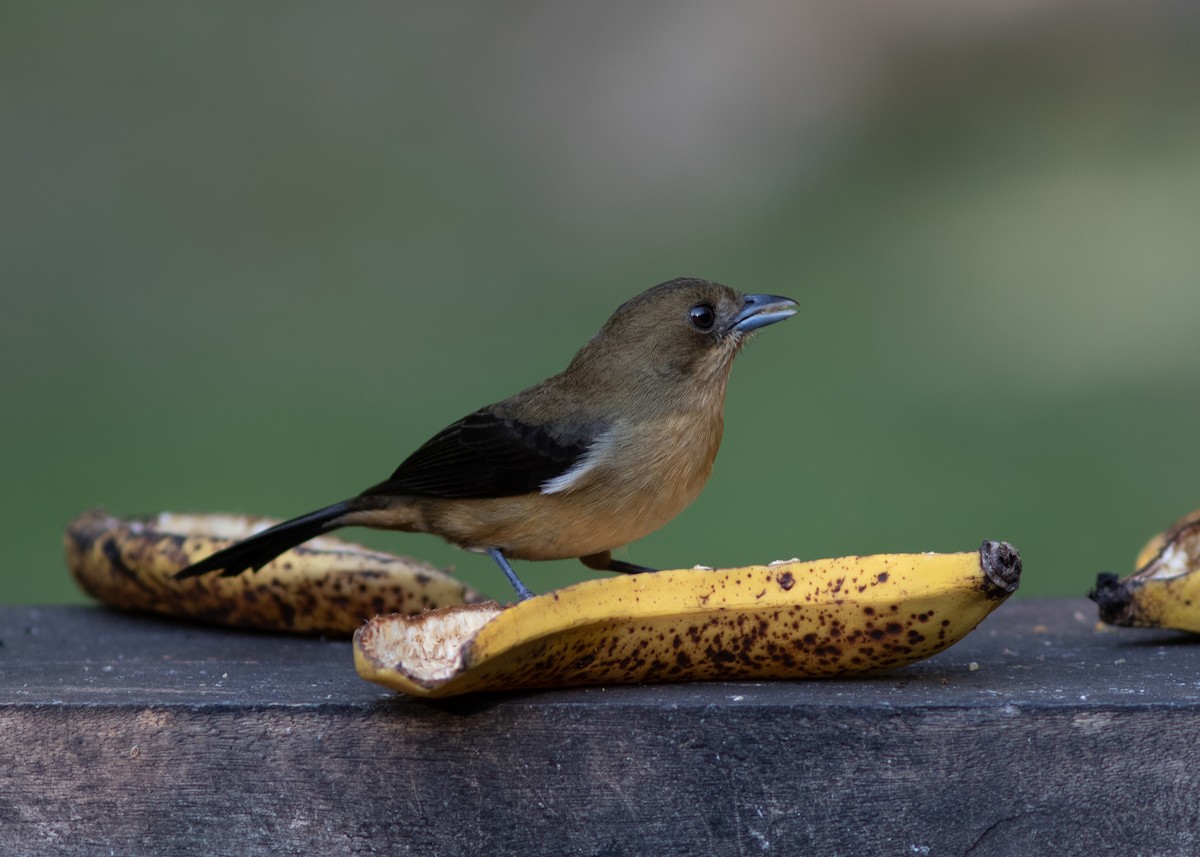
1164, 592
428, 647
831, 617
326, 586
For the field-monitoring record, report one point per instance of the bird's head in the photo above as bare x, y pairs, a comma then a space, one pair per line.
684, 328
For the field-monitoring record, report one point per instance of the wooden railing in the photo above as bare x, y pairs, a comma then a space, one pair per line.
1040, 734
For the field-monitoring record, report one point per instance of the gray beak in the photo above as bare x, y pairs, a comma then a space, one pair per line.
761, 310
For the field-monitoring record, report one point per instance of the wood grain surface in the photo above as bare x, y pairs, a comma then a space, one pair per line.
1039, 734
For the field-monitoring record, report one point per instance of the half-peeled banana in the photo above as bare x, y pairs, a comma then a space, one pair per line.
327, 586
1164, 591
792, 619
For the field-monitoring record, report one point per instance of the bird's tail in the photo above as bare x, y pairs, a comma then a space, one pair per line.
258, 550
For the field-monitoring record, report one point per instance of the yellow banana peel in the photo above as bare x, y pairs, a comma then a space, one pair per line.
831, 617
1164, 591
327, 586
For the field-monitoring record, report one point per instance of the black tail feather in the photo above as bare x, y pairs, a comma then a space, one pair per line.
258, 550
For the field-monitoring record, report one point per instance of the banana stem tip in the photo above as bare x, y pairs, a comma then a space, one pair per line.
1001, 564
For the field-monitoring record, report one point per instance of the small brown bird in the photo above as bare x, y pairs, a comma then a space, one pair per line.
589, 460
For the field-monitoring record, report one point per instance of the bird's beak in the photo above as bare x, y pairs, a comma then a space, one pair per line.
761, 310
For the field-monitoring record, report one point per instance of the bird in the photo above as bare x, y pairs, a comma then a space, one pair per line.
576, 466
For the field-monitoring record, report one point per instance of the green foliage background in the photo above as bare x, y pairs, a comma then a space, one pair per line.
251, 256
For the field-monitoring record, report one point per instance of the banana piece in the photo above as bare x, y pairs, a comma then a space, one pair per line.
327, 586
856, 614
1164, 592
1155, 546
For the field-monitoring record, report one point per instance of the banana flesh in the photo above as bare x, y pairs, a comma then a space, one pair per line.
857, 614
327, 586
1155, 546
1164, 592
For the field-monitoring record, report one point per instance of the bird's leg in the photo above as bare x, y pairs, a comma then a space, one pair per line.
626, 567
605, 562
523, 591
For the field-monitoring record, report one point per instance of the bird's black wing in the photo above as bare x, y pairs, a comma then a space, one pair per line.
487, 455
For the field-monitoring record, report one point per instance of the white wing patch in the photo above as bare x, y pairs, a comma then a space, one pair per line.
578, 471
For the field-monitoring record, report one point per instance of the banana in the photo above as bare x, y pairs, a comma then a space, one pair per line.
1156, 544
831, 617
325, 587
1164, 591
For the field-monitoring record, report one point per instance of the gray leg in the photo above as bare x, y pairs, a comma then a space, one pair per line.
522, 590
603, 561
626, 567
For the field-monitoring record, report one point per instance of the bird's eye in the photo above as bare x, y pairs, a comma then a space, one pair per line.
702, 316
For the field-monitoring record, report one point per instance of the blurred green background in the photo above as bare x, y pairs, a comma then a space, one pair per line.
254, 254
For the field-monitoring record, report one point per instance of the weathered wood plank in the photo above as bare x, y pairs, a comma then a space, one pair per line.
129, 735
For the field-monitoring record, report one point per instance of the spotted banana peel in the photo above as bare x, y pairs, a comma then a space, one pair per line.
327, 586
1164, 591
792, 619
